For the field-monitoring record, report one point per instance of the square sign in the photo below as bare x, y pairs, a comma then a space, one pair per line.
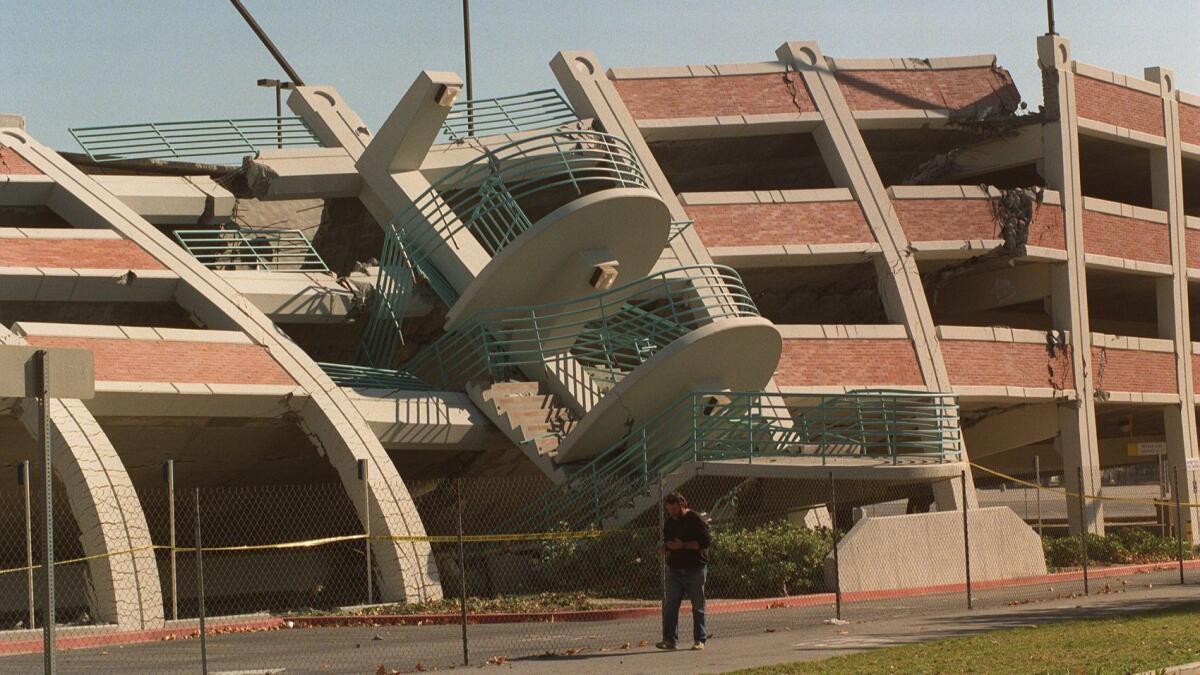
71, 372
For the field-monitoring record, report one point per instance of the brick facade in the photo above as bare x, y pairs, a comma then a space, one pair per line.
1189, 123
76, 254
1132, 370
979, 363
784, 223
854, 362
12, 163
951, 89
663, 98
1122, 237
1120, 106
168, 361
952, 219
1192, 240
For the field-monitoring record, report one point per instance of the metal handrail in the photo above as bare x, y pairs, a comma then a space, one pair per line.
542, 109
722, 425
609, 333
197, 138
483, 200
245, 248
364, 377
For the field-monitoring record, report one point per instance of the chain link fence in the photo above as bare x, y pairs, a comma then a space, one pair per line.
284, 578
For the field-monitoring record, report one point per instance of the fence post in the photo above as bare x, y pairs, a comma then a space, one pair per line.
1178, 519
837, 574
662, 568
200, 586
366, 497
169, 475
1083, 530
1037, 477
23, 479
462, 566
42, 369
966, 538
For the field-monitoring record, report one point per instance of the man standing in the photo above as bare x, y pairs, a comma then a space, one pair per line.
686, 541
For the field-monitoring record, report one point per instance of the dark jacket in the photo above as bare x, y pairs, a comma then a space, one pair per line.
688, 527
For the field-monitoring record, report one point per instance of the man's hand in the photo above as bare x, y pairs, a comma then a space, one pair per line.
674, 545
692, 545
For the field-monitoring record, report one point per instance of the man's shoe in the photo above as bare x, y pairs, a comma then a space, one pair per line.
665, 645
697, 646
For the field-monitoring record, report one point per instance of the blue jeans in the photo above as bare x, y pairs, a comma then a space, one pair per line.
680, 582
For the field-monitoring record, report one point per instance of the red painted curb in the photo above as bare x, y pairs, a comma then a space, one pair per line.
131, 637
714, 607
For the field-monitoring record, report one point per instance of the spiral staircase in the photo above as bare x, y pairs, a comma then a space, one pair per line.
611, 377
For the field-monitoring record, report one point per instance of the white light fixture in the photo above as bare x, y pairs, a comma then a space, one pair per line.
447, 95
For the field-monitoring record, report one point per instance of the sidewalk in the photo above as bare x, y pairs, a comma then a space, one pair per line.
824, 641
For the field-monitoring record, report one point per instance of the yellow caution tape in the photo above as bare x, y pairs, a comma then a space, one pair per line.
1067, 493
323, 541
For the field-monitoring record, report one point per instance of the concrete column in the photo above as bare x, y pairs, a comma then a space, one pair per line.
1069, 311
1166, 176
850, 164
110, 517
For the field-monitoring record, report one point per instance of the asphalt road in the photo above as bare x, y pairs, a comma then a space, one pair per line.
740, 639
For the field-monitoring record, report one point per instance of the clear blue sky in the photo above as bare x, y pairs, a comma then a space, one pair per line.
79, 63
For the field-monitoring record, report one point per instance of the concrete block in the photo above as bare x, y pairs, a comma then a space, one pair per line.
926, 549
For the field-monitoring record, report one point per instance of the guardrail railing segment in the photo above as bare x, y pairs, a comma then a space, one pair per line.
483, 200
364, 377
610, 333
893, 426
252, 249
542, 109
198, 138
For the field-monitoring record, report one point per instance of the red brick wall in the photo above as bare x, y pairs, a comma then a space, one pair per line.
1192, 239
163, 361
12, 163
945, 219
851, 361
1189, 123
788, 223
668, 97
954, 89
977, 363
1123, 237
76, 253
1123, 107
1131, 370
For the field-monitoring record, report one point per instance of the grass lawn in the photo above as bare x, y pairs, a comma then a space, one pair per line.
1127, 644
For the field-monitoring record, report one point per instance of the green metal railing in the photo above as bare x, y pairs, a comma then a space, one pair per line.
892, 426
252, 249
542, 109
200, 138
372, 378
608, 333
483, 200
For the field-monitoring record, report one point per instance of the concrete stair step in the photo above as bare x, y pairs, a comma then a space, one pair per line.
523, 402
506, 389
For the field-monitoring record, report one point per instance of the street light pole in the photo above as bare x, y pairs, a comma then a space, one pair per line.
279, 86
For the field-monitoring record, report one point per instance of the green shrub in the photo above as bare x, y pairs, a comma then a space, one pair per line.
774, 559
1121, 546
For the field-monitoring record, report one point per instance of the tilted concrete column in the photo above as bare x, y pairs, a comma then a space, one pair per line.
111, 522
1060, 169
1166, 176
850, 164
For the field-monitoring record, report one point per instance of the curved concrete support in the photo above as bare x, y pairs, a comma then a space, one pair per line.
111, 522
407, 569
696, 361
555, 259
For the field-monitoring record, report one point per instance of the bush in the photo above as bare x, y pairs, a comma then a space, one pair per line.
773, 559
1124, 546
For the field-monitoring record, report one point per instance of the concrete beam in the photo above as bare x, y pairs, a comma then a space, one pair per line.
994, 289
1013, 428
172, 200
